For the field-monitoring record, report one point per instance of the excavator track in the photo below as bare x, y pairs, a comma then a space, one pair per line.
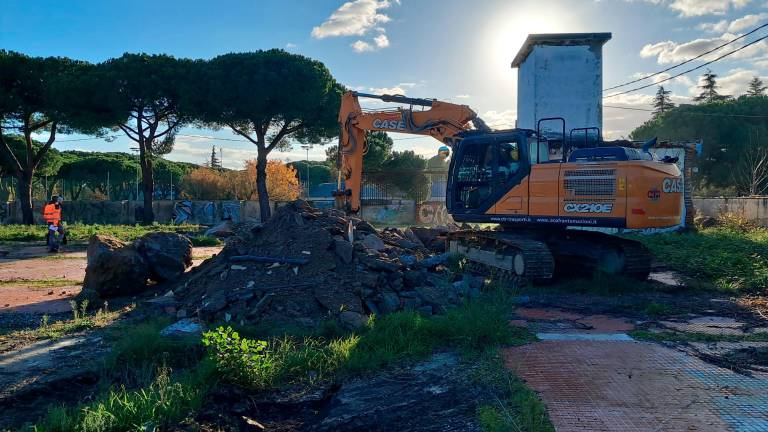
511, 259
518, 258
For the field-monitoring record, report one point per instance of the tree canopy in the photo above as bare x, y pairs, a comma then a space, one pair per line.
269, 98
728, 129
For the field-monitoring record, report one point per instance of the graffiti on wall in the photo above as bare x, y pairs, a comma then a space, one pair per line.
432, 213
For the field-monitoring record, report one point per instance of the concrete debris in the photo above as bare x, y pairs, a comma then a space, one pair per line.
378, 272
115, 268
182, 328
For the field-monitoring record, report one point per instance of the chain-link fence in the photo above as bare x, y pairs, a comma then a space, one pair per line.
419, 186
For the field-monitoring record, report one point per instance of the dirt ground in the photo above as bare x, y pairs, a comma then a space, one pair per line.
35, 281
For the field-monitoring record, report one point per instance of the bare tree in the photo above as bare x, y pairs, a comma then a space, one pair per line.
751, 175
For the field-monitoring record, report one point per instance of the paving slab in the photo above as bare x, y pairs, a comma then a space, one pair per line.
615, 385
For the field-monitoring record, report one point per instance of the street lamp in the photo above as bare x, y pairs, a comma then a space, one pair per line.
307, 147
138, 170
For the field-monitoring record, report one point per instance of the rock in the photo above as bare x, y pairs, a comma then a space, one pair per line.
214, 304
373, 242
706, 221
365, 228
412, 279
437, 296
338, 298
368, 279
408, 259
353, 320
371, 306
433, 261
343, 250
183, 328
221, 230
389, 303
380, 264
461, 287
409, 294
167, 254
411, 303
473, 293
114, 268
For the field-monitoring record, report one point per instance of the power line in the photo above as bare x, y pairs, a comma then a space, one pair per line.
689, 60
690, 113
687, 71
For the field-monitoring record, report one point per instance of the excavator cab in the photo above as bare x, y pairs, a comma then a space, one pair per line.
484, 167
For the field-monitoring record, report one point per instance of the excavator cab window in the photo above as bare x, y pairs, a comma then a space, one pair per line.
484, 168
475, 174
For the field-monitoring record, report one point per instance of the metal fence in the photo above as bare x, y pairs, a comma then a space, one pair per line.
419, 186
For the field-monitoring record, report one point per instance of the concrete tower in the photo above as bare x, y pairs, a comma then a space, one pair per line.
560, 75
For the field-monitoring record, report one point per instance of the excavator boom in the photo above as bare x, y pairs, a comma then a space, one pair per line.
440, 120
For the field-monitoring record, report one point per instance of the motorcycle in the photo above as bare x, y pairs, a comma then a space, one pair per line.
54, 237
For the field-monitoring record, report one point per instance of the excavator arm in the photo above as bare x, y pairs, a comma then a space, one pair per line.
440, 120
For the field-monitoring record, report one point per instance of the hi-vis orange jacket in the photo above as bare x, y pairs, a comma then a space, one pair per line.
52, 213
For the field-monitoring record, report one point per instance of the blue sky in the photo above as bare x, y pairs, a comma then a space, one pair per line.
447, 49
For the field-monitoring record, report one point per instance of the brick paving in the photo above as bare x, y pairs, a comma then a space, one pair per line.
594, 385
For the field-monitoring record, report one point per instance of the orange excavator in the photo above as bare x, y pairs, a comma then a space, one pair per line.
535, 186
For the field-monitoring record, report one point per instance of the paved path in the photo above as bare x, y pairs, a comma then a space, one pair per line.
596, 378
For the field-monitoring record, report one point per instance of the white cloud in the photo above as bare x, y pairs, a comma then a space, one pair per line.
353, 18
667, 52
381, 41
358, 18
290, 45
744, 23
396, 90
361, 46
691, 8
500, 119
462, 96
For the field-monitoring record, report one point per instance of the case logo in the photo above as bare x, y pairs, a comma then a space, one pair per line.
588, 207
671, 185
389, 124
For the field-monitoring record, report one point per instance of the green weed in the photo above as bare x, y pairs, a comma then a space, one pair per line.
203, 240
516, 407
732, 258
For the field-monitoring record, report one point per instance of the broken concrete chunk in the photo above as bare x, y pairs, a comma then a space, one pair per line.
183, 328
373, 242
353, 320
343, 249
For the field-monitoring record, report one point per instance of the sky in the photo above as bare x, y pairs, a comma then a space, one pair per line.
453, 50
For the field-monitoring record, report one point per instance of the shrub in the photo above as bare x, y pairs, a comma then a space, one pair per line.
203, 240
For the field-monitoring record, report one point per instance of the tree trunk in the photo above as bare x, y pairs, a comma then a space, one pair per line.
25, 198
148, 187
261, 184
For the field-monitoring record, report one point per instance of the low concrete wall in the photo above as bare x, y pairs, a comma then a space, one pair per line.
123, 212
753, 208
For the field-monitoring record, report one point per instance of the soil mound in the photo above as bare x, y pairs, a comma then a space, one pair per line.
306, 265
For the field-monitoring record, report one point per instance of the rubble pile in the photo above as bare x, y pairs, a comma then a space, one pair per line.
306, 265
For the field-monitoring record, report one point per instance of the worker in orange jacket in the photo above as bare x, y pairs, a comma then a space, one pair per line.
52, 216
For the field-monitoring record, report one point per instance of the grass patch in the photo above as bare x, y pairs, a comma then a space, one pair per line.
406, 335
141, 391
673, 336
82, 232
158, 406
203, 240
80, 321
40, 283
733, 259
517, 408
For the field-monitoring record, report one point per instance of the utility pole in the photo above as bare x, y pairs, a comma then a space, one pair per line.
307, 147
138, 170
